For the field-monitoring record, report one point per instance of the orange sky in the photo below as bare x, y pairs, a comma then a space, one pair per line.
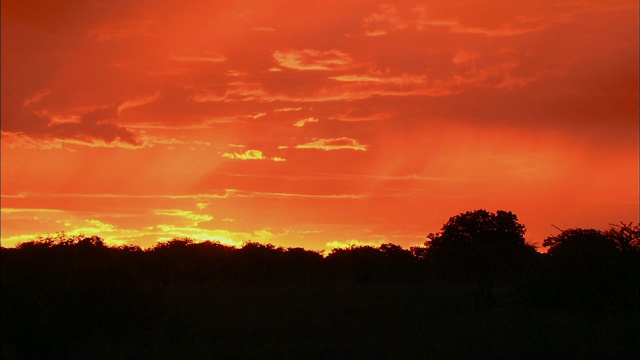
315, 123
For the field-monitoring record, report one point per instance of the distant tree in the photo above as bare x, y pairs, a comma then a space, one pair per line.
583, 245
176, 243
481, 247
592, 267
302, 265
400, 264
364, 264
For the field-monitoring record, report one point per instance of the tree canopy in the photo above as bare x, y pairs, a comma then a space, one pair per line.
479, 245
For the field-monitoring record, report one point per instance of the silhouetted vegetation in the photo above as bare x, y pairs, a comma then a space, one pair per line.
481, 248
474, 290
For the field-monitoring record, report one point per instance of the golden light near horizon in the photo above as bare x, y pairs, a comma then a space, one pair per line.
315, 124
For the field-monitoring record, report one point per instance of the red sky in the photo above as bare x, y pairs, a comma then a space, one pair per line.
315, 123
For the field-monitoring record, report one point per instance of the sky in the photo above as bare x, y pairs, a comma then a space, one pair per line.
315, 124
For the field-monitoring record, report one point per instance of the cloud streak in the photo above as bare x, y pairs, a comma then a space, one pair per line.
310, 59
342, 143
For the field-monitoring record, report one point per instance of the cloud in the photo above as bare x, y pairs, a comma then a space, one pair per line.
95, 125
309, 59
34, 125
94, 128
387, 18
251, 154
498, 73
288, 109
36, 97
196, 218
466, 57
301, 123
206, 56
247, 155
344, 87
260, 28
131, 103
356, 115
518, 24
18, 140
202, 205
229, 193
333, 144
29, 211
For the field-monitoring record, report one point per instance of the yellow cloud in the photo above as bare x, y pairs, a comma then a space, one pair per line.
251, 155
34, 211
334, 144
247, 155
196, 218
302, 122
224, 237
202, 205
383, 79
287, 109
309, 59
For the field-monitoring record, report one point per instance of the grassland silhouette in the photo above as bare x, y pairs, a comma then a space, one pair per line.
475, 289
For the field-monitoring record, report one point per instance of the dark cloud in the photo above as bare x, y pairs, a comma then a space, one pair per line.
98, 125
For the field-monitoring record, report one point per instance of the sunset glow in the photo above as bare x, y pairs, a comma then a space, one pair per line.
315, 124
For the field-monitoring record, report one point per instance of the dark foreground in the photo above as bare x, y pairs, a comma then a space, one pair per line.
333, 321
82, 300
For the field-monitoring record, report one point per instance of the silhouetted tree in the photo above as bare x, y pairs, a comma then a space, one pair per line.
481, 247
400, 264
73, 296
591, 267
363, 264
626, 236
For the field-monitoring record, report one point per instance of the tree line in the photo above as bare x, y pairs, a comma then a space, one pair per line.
70, 286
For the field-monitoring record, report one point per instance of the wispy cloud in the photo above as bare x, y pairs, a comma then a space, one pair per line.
382, 79
385, 19
343, 143
36, 97
189, 215
198, 56
251, 154
263, 28
136, 102
309, 59
303, 122
352, 115
27, 210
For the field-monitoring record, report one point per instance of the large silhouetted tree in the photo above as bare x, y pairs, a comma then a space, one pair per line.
481, 247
